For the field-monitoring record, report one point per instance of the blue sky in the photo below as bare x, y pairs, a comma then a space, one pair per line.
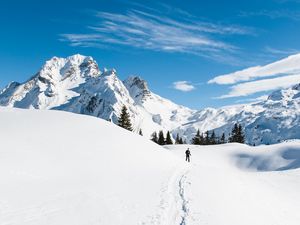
177, 46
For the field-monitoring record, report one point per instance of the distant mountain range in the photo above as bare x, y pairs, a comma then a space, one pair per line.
76, 84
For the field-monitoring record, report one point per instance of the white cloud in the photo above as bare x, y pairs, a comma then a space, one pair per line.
248, 88
183, 86
156, 31
286, 66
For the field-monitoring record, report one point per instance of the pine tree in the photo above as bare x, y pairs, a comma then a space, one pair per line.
154, 137
206, 139
202, 139
212, 138
124, 119
168, 139
234, 133
196, 139
161, 138
223, 140
177, 140
241, 135
180, 141
237, 134
141, 132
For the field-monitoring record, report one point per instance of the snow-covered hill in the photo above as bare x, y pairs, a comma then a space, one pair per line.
76, 84
59, 168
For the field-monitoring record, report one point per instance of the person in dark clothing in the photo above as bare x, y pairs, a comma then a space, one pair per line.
187, 155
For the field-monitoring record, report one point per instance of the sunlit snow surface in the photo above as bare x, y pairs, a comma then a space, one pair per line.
241, 185
59, 168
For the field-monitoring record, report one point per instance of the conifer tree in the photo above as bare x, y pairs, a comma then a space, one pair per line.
241, 135
234, 133
202, 139
213, 138
207, 138
168, 139
237, 134
161, 138
124, 119
223, 140
196, 139
177, 139
154, 137
180, 141
141, 132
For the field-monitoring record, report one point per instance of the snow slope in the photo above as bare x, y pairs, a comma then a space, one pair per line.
241, 185
76, 84
60, 168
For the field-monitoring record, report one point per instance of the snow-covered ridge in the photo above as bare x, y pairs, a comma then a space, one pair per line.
76, 84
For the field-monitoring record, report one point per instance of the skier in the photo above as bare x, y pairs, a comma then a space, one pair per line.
187, 155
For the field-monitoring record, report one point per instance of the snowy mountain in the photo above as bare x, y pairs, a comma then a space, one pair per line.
266, 122
76, 84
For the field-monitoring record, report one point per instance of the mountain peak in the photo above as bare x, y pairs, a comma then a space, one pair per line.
296, 87
137, 87
73, 66
111, 72
78, 57
285, 94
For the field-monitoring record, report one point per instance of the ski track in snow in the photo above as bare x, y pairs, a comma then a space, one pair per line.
173, 208
184, 201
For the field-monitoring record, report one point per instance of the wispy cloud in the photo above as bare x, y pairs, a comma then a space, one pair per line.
155, 31
248, 88
184, 86
286, 66
274, 14
276, 51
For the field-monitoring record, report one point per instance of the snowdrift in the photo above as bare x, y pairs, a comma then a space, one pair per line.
242, 185
280, 157
61, 168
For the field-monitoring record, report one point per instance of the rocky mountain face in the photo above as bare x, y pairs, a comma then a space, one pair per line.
76, 84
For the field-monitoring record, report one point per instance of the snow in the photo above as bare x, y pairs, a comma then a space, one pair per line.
63, 168
241, 185
59, 168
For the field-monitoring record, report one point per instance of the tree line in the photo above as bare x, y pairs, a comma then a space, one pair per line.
210, 138
207, 138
